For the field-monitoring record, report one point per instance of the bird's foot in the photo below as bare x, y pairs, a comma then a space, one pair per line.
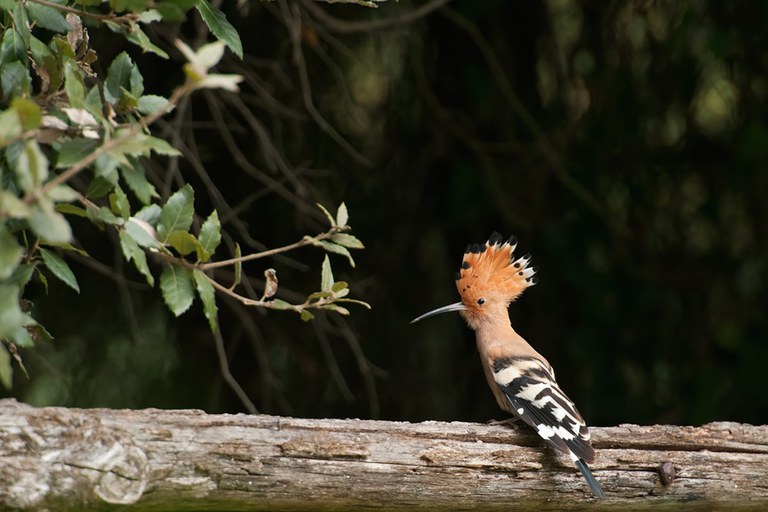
509, 422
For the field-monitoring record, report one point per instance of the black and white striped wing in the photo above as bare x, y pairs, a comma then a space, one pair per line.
529, 386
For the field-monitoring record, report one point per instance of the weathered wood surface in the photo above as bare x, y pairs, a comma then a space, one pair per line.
74, 459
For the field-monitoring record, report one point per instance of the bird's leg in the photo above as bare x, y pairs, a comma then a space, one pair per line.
509, 422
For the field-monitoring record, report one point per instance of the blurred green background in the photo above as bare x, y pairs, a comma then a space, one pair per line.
624, 143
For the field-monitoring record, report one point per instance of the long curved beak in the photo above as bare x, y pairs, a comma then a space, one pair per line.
459, 306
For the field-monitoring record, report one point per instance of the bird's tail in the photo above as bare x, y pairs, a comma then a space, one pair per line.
590, 478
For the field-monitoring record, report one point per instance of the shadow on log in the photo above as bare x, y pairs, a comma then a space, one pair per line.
75, 459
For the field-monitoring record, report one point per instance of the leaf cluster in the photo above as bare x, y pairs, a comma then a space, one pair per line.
59, 120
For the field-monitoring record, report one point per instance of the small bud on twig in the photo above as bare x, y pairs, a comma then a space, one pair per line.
270, 284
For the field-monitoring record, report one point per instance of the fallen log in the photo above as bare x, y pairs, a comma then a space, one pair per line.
74, 459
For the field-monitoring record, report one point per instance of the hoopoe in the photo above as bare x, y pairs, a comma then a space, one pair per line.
521, 379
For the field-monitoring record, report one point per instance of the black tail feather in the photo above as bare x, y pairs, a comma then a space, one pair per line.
590, 479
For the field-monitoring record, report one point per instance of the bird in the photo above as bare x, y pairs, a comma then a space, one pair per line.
522, 380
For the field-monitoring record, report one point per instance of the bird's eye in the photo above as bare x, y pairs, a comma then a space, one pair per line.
480, 301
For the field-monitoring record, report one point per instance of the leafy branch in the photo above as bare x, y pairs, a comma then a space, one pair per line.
170, 239
63, 123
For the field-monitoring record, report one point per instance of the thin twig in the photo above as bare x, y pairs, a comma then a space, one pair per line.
333, 365
294, 24
271, 252
80, 12
363, 364
338, 25
228, 377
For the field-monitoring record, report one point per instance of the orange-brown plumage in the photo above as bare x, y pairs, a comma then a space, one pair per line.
490, 278
521, 379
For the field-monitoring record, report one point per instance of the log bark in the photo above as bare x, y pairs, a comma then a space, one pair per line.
73, 459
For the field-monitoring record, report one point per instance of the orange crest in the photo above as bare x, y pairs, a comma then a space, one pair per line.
490, 273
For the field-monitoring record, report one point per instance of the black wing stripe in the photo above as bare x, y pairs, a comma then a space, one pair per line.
536, 398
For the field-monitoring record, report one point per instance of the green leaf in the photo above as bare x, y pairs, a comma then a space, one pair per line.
327, 214
118, 201
238, 265
337, 309
136, 82
106, 167
136, 179
6, 370
141, 144
59, 268
170, 11
133, 252
338, 286
10, 126
141, 234
129, 5
150, 16
73, 84
48, 18
38, 333
150, 103
30, 113
319, 295
22, 275
177, 213
75, 150
49, 224
220, 27
14, 41
14, 79
10, 253
326, 275
161, 147
62, 193
118, 75
43, 279
137, 36
184, 242
66, 246
337, 249
31, 166
101, 215
99, 187
62, 48
93, 103
22, 337
177, 289
355, 301
210, 234
307, 315
149, 214
207, 296
347, 241
70, 209
341, 293
342, 216
13, 206
280, 304
11, 317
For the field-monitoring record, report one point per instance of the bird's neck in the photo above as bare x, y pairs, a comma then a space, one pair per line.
496, 338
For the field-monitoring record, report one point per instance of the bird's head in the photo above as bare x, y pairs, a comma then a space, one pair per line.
489, 279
